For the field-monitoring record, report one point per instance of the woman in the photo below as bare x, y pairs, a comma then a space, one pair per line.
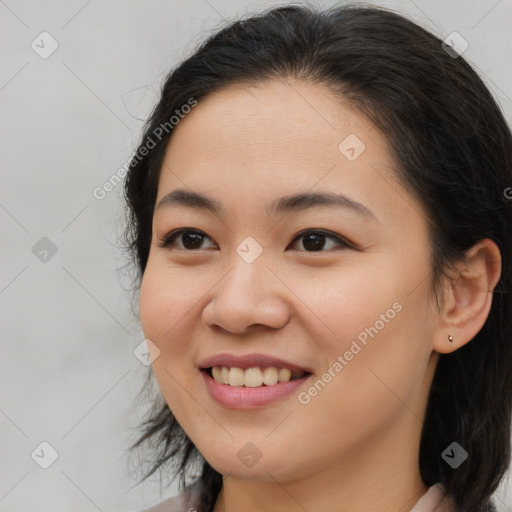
319, 215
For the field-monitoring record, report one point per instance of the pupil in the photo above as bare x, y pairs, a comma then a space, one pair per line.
318, 241
188, 238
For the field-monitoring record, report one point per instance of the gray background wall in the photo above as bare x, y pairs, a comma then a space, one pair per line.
69, 121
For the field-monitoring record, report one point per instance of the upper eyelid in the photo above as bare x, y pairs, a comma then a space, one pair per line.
325, 232
175, 233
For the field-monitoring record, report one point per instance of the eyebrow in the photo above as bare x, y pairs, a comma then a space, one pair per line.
285, 204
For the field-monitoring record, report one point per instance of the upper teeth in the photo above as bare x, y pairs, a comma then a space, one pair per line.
253, 377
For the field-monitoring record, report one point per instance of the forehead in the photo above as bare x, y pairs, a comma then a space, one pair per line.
247, 145
278, 130
272, 116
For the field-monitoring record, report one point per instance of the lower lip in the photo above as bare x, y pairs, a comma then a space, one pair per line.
241, 397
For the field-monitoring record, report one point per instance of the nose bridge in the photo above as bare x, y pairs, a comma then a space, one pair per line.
248, 293
249, 273
247, 282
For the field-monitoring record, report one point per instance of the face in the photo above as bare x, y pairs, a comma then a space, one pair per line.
330, 299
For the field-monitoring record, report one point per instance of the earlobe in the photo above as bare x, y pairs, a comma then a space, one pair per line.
468, 297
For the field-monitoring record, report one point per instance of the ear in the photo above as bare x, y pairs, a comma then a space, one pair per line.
468, 296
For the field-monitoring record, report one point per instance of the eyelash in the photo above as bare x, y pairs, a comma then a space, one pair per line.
167, 240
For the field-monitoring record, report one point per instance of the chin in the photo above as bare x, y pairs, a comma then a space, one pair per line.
251, 463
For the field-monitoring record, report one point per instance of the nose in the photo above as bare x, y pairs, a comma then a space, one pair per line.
248, 295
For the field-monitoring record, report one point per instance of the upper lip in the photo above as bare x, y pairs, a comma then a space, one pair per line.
250, 361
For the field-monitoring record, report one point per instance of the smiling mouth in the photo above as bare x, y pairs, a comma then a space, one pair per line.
253, 377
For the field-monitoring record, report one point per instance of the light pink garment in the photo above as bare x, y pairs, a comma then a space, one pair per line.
178, 503
434, 500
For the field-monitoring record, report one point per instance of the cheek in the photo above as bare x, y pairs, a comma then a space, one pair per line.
374, 368
377, 321
153, 305
164, 313
347, 301
163, 308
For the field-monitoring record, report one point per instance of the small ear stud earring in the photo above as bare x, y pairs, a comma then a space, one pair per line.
450, 338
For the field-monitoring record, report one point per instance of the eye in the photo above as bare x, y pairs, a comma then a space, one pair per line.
191, 240
315, 240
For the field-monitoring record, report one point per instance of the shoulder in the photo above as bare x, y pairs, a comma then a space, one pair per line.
435, 499
174, 504
183, 502
438, 500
